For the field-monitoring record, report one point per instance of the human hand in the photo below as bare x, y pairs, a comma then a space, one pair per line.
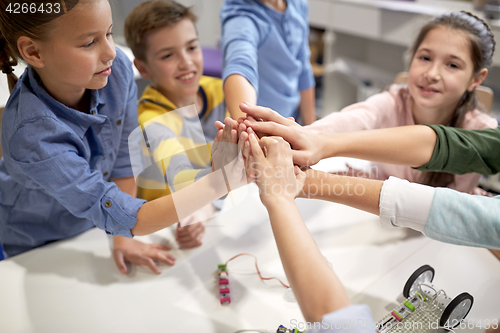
129, 249
226, 154
224, 149
271, 163
479, 191
307, 146
191, 235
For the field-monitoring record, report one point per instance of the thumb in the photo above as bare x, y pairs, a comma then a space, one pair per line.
120, 261
302, 158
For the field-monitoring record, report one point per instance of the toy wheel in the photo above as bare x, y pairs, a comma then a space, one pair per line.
457, 310
421, 275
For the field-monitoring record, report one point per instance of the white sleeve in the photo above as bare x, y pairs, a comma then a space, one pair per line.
405, 204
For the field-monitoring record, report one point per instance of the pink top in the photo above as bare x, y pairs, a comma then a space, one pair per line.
390, 109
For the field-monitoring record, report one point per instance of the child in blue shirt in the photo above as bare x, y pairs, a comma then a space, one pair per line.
266, 57
65, 131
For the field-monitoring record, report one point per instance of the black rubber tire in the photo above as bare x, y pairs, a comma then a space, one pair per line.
453, 304
414, 276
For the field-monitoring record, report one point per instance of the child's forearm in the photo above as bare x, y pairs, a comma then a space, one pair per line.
360, 193
126, 185
316, 287
307, 106
165, 211
404, 145
237, 90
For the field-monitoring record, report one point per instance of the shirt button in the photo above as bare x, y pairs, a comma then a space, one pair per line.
119, 122
105, 174
107, 204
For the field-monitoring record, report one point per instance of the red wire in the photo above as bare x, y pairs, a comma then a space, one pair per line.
257, 268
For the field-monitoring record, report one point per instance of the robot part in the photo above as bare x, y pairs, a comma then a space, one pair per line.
283, 329
224, 295
425, 302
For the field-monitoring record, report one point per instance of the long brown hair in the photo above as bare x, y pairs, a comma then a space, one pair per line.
33, 24
482, 46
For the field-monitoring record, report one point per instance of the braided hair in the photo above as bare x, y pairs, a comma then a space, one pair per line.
7, 62
33, 25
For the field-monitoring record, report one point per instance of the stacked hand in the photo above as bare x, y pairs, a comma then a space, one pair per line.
307, 146
226, 156
270, 164
268, 161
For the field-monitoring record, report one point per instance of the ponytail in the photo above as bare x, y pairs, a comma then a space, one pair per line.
7, 62
32, 25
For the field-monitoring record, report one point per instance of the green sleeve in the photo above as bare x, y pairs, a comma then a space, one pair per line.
460, 151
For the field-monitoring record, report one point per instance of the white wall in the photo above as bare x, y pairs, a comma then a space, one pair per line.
4, 87
206, 10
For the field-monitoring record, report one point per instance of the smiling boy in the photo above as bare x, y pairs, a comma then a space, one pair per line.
164, 40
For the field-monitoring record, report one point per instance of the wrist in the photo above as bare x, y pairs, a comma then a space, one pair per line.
324, 147
310, 175
273, 203
119, 240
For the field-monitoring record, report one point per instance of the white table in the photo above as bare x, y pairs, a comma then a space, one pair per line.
73, 285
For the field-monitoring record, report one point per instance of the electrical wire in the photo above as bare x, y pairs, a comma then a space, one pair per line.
432, 302
257, 268
430, 306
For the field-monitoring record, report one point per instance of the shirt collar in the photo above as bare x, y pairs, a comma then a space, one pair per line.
77, 120
153, 95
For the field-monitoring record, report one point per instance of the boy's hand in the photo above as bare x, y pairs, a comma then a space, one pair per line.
129, 249
191, 235
275, 174
307, 146
225, 149
226, 155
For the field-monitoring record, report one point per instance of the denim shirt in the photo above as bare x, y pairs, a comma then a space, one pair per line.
57, 163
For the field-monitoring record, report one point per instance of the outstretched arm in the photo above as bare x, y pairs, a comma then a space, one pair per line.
406, 145
237, 89
316, 287
129, 249
360, 193
442, 214
165, 211
435, 148
307, 106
